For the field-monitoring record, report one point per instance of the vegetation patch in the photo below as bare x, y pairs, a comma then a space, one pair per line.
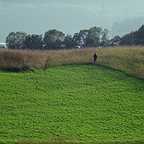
79, 103
126, 59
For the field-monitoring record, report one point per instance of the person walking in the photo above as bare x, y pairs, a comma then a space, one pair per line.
94, 58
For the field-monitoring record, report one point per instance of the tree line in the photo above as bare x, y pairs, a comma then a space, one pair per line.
134, 38
55, 39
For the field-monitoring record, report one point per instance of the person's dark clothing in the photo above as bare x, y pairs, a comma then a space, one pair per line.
94, 58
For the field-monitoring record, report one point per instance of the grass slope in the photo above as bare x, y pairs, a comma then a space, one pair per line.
80, 103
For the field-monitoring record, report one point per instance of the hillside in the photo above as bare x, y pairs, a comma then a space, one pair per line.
75, 103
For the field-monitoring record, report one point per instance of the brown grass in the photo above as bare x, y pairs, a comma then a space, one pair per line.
28, 59
127, 59
21, 59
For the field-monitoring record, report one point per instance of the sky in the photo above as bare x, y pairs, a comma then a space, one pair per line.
69, 16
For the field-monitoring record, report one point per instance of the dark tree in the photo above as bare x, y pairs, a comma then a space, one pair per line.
34, 41
134, 38
15, 40
104, 38
76, 39
53, 39
140, 36
68, 41
94, 37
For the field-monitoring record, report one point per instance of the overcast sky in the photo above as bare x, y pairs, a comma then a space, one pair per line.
70, 16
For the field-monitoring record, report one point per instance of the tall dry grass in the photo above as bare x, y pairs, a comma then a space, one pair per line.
29, 59
21, 59
127, 59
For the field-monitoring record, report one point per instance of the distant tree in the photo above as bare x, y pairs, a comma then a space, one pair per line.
139, 36
76, 39
80, 39
129, 39
115, 41
134, 38
116, 38
83, 34
34, 41
15, 40
53, 39
94, 37
141, 29
68, 41
104, 38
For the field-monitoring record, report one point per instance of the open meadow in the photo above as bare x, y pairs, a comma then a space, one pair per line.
69, 100
78, 103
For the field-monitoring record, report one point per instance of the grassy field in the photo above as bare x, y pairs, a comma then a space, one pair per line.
73, 103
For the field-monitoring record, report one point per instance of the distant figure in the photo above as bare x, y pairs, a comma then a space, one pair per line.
94, 58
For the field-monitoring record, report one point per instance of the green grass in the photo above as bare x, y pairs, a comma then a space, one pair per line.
77, 103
